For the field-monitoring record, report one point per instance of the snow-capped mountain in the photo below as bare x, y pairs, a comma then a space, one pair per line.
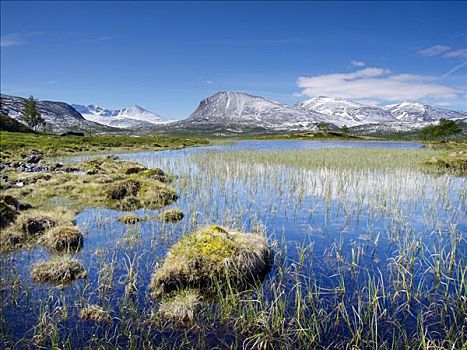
342, 112
236, 111
132, 117
417, 113
59, 116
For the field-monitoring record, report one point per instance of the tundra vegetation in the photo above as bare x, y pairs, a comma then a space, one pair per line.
328, 248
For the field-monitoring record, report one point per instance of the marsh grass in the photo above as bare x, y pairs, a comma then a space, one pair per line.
369, 253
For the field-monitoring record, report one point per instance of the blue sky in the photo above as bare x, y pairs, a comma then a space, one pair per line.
167, 56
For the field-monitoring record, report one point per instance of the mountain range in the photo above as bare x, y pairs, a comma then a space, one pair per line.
59, 116
128, 118
236, 112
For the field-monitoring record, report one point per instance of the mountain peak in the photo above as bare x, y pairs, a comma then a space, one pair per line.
233, 109
123, 118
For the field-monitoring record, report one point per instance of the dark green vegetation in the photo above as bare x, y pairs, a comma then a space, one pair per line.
12, 125
30, 115
13, 144
444, 130
323, 134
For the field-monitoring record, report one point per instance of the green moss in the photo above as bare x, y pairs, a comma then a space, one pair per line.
54, 145
202, 258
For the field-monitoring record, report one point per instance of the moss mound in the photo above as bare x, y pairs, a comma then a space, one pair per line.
122, 189
94, 313
30, 225
204, 257
36, 223
63, 239
134, 170
58, 270
171, 215
15, 203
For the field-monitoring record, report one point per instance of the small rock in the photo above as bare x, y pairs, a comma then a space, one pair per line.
33, 159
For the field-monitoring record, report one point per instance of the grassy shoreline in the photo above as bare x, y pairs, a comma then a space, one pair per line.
52, 145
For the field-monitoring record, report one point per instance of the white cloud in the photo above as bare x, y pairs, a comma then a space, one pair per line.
16, 39
433, 50
462, 53
357, 63
376, 84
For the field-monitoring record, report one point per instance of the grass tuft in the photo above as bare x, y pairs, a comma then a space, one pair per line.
63, 239
95, 313
58, 270
171, 215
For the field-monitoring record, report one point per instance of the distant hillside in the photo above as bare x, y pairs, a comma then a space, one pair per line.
59, 116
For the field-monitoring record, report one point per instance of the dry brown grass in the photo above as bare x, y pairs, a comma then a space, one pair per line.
58, 270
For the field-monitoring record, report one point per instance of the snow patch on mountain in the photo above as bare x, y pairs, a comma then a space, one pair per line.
342, 112
415, 112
